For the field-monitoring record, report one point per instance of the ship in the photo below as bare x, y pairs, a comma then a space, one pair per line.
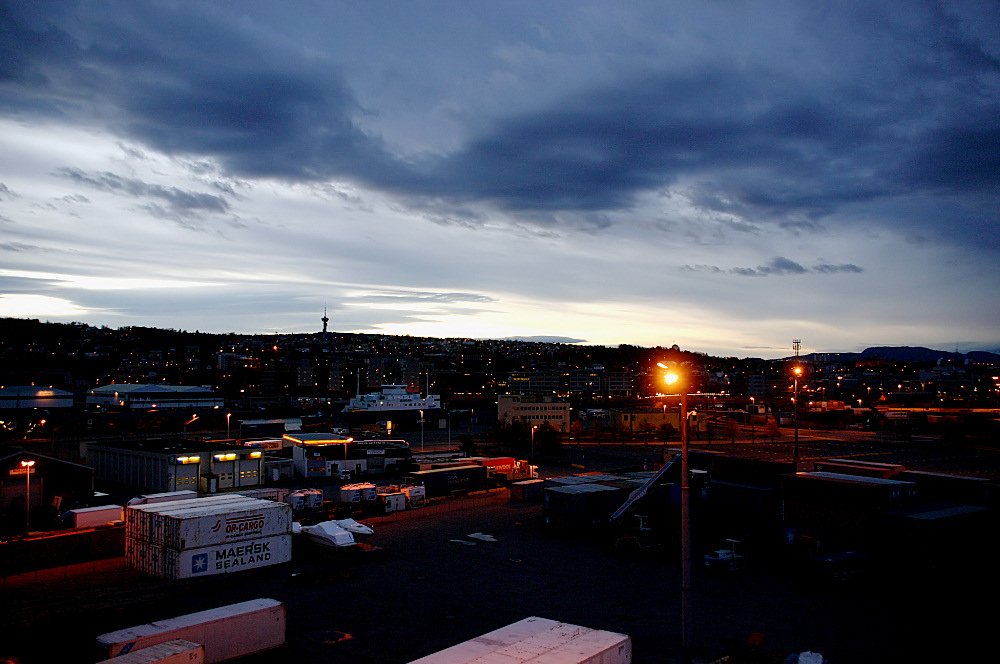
392, 398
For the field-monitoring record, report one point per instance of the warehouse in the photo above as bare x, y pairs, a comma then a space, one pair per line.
176, 464
129, 396
327, 454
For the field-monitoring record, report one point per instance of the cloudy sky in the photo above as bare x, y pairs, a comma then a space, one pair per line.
723, 175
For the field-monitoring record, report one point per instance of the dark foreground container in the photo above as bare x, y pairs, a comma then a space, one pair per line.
228, 632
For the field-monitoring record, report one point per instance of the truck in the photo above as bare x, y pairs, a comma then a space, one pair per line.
544, 639
226, 632
440, 482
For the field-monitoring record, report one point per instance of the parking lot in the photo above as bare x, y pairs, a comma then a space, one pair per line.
451, 576
445, 576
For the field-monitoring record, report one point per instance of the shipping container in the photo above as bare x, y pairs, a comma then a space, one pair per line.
218, 524
166, 563
581, 505
226, 632
540, 640
178, 651
528, 491
393, 502
89, 517
415, 495
357, 493
884, 471
149, 498
267, 493
142, 520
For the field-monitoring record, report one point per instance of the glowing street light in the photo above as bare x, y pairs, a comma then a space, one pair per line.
421, 431
228, 415
534, 428
27, 464
673, 378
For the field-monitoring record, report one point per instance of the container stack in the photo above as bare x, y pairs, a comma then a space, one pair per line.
204, 536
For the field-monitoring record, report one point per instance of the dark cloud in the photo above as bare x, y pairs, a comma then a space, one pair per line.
912, 110
779, 266
824, 268
178, 201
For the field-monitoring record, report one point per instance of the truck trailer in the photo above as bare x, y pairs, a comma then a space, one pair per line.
541, 640
227, 632
448, 481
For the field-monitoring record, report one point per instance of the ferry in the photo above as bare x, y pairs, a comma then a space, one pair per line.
392, 397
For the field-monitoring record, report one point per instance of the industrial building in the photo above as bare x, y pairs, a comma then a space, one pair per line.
176, 464
533, 412
327, 454
129, 396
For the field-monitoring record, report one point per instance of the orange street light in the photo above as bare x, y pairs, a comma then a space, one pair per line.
673, 377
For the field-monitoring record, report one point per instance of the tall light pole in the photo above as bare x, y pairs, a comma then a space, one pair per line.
27, 464
795, 416
753, 411
534, 428
673, 378
421, 431
228, 415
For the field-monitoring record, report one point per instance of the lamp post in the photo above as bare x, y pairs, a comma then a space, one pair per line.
673, 377
753, 411
228, 415
795, 416
421, 431
27, 464
534, 428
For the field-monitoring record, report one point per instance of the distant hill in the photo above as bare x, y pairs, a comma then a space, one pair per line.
910, 354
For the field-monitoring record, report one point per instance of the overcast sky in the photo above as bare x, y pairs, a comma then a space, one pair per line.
727, 176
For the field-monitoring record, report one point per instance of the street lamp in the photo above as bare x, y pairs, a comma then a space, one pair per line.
795, 403
27, 464
421, 431
228, 415
753, 411
672, 378
534, 428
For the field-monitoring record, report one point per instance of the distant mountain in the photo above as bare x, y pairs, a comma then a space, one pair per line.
921, 354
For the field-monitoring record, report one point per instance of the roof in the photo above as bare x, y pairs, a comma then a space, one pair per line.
144, 388
33, 392
317, 438
171, 446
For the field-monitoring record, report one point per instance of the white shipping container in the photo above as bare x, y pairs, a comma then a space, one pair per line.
227, 558
227, 632
142, 522
217, 524
538, 640
394, 502
178, 651
166, 563
88, 517
210, 522
163, 497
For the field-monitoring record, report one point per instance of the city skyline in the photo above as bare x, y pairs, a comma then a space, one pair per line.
724, 176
